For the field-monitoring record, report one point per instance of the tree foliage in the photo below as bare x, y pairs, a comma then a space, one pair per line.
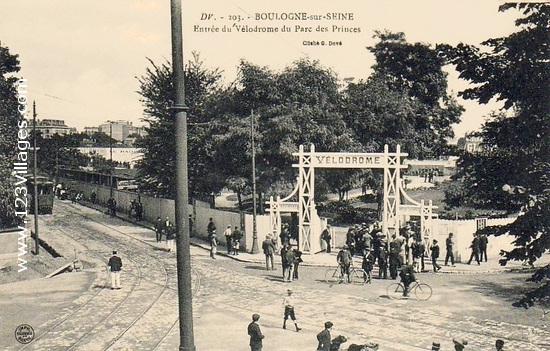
303, 104
405, 100
159, 146
512, 170
9, 64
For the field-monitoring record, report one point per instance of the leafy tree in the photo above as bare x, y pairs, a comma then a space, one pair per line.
157, 95
405, 101
512, 170
59, 151
9, 64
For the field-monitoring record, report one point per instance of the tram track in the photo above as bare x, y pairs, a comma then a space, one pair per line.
150, 275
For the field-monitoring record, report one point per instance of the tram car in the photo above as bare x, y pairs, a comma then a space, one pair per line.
46, 194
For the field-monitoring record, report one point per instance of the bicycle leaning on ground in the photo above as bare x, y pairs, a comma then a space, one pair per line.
421, 291
356, 275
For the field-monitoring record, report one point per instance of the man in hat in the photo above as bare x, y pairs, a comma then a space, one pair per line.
325, 235
436, 346
344, 260
268, 246
115, 266
255, 333
324, 338
288, 302
228, 235
460, 345
435, 255
499, 345
449, 246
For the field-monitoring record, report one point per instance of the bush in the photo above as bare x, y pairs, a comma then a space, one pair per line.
345, 212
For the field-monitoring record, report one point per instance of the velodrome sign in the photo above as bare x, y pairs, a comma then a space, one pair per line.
349, 160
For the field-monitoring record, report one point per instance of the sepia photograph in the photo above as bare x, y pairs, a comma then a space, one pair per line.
233, 175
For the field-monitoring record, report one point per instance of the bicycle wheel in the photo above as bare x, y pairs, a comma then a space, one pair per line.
332, 275
358, 276
395, 291
423, 291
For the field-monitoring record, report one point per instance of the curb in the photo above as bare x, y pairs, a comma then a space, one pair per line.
239, 259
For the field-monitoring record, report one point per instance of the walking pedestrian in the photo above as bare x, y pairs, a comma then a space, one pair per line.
449, 246
418, 249
115, 266
210, 227
324, 338
228, 234
255, 333
139, 211
483, 241
170, 231
475, 249
268, 247
326, 236
289, 263
296, 264
288, 302
111, 206
460, 345
236, 236
499, 345
158, 229
436, 346
213, 245
435, 255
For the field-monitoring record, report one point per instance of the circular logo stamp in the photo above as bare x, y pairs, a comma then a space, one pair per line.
24, 333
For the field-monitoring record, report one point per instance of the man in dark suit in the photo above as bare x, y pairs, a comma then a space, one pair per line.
324, 338
475, 249
255, 333
115, 266
268, 247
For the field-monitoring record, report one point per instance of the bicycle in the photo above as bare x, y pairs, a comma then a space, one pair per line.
356, 275
422, 291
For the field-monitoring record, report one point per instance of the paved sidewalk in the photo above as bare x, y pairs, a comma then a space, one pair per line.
323, 259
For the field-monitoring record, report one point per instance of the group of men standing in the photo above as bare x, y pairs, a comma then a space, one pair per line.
167, 229
232, 237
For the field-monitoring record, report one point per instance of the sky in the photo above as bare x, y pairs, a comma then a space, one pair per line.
81, 58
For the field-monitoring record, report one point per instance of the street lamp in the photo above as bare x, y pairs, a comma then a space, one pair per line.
255, 248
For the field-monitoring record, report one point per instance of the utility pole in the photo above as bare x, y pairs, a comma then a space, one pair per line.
255, 248
111, 159
183, 259
35, 190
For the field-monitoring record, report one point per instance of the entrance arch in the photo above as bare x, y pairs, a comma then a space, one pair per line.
393, 211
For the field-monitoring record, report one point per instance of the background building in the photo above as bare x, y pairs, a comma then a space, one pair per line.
120, 130
49, 127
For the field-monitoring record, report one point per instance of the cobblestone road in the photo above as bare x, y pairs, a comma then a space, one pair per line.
142, 316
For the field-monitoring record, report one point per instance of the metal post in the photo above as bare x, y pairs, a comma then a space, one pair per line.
35, 190
183, 259
111, 159
255, 248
